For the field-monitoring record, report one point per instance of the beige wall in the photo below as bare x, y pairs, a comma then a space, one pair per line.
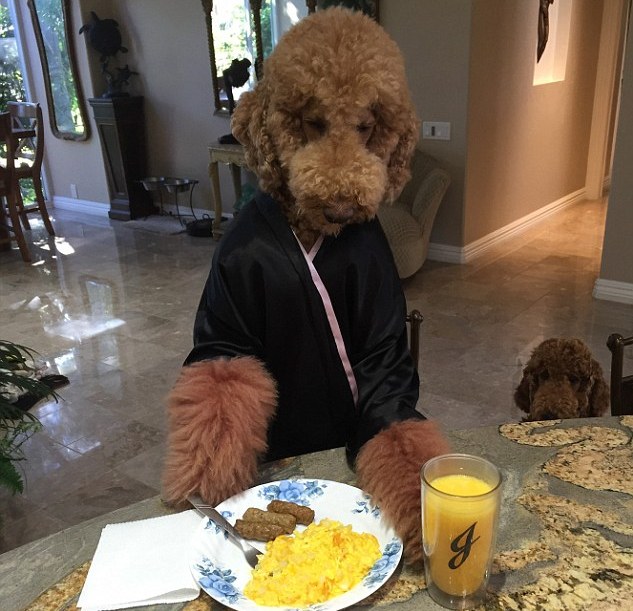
167, 43
527, 145
617, 253
434, 37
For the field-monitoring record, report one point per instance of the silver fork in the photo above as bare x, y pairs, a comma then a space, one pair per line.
250, 553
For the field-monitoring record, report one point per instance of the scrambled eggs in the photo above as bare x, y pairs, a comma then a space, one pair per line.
323, 561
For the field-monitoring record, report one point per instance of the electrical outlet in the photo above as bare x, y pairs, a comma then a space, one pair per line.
436, 130
73, 190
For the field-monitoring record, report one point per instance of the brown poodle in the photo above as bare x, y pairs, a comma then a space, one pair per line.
330, 130
562, 380
300, 337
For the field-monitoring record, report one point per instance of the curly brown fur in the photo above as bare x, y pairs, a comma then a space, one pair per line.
562, 380
388, 468
330, 129
218, 420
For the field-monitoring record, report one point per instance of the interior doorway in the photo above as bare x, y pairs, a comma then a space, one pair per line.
606, 97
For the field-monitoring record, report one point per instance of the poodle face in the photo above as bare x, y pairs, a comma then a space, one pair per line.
562, 380
330, 128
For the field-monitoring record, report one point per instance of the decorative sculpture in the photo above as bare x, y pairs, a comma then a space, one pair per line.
104, 36
543, 27
235, 75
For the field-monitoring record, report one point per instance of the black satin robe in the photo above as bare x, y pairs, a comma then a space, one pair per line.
260, 300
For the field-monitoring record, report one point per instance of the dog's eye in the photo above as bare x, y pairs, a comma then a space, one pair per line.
315, 125
543, 376
363, 128
579, 382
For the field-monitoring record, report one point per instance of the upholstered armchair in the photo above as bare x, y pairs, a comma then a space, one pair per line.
407, 222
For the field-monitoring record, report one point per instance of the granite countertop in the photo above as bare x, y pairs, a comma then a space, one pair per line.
565, 536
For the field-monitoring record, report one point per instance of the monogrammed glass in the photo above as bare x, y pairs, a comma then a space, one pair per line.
460, 506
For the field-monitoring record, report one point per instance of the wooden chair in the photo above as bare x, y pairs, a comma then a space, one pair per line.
13, 230
28, 129
414, 320
621, 385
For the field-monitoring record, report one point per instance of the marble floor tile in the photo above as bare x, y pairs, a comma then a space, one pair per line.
112, 308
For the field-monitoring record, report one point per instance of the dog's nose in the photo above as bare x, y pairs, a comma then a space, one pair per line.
339, 211
338, 216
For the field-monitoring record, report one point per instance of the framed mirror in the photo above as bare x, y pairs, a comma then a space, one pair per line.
249, 30
52, 25
243, 29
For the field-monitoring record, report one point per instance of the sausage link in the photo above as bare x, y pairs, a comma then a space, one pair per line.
285, 520
258, 531
303, 515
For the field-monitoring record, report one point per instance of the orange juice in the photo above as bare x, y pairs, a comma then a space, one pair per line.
458, 521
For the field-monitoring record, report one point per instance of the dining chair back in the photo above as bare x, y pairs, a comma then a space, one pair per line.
414, 320
10, 228
28, 128
621, 385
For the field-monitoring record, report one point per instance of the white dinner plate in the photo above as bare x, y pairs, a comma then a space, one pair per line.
222, 572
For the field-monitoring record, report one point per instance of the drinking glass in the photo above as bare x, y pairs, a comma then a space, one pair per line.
461, 497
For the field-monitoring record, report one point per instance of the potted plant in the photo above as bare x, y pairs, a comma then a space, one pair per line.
21, 386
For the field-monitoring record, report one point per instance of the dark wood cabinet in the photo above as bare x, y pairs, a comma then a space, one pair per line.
121, 126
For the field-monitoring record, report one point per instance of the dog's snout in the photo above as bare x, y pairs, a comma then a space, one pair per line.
338, 213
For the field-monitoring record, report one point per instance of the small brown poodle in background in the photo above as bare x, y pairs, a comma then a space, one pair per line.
562, 380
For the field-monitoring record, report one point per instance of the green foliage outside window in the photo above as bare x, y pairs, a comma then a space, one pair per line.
267, 32
11, 83
63, 87
233, 33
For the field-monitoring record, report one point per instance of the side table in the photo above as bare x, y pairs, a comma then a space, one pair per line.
233, 155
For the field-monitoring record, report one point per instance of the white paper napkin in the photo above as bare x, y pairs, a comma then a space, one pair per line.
142, 563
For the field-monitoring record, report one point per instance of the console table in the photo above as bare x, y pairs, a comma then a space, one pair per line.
233, 155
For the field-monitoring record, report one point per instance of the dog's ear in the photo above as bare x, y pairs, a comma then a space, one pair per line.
249, 126
522, 392
398, 169
395, 137
599, 399
242, 116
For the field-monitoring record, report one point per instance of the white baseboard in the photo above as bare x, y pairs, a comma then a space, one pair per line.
445, 254
610, 290
465, 254
100, 209
81, 205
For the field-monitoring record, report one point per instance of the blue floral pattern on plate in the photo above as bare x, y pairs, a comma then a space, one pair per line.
299, 491
384, 566
218, 582
213, 526
221, 570
365, 506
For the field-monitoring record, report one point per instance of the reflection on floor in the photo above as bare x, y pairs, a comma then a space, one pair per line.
112, 308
